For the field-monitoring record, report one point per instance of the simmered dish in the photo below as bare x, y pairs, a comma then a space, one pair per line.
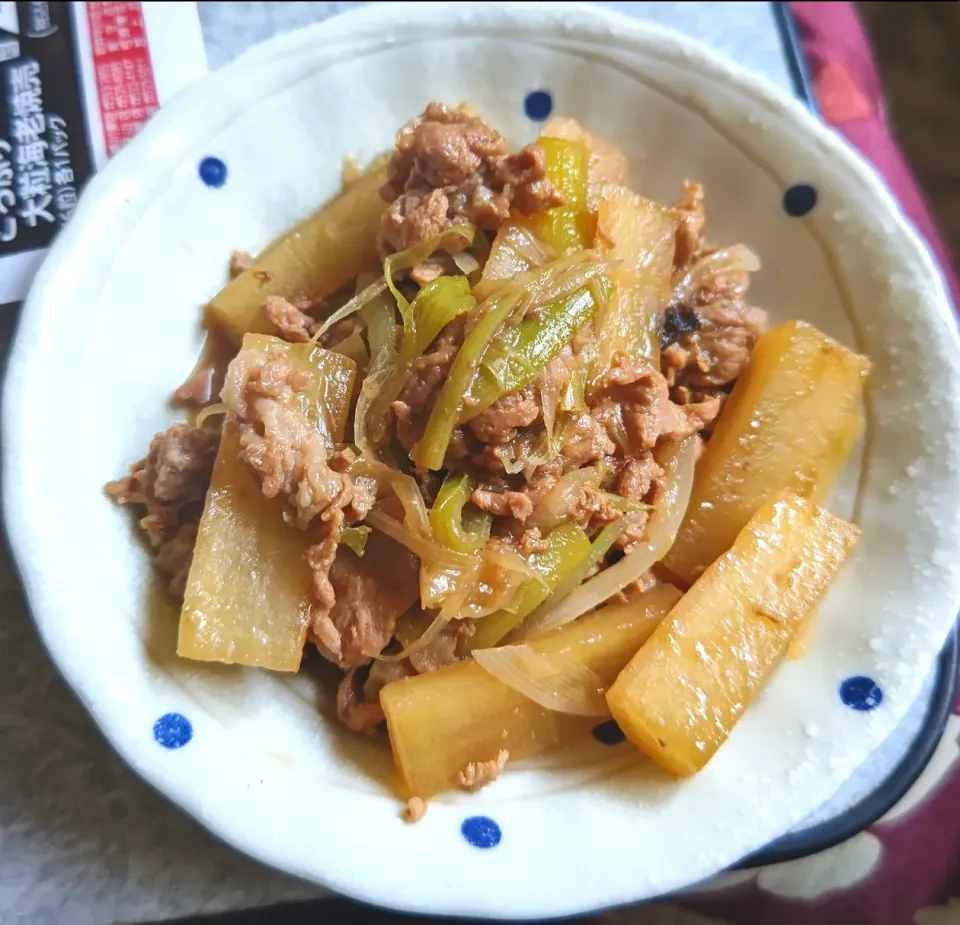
507, 443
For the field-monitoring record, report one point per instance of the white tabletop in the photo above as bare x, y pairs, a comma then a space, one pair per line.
82, 840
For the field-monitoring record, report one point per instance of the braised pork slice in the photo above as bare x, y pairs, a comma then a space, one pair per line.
450, 166
168, 486
706, 339
291, 461
370, 592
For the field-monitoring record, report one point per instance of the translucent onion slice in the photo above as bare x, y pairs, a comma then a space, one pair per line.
549, 389
543, 617
209, 412
565, 276
496, 584
421, 546
379, 316
379, 374
529, 248
440, 584
510, 561
553, 280
354, 347
514, 251
736, 259
662, 531
559, 503
354, 305
408, 259
466, 262
519, 460
421, 642
500, 583
560, 688
404, 487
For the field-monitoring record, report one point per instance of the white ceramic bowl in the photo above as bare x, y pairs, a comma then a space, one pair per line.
113, 323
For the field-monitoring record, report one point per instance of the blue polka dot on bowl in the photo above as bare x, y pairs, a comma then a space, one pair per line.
799, 200
861, 693
538, 105
481, 832
172, 730
213, 172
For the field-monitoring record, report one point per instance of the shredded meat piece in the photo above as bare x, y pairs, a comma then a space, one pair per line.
176, 469
320, 558
425, 378
198, 389
409, 428
676, 358
706, 344
637, 477
239, 262
293, 324
414, 811
478, 774
339, 331
586, 440
644, 401
531, 541
556, 374
413, 218
358, 695
308, 303
170, 484
498, 424
206, 378
442, 651
381, 674
353, 710
633, 590
450, 166
428, 372
640, 479
430, 483
175, 556
515, 504
440, 148
525, 172
692, 223
433, 268
543, 479
370, 592
539, 480
289, 459
699, 415
325, 636
593, 507
716, 353
285, 452
364, 488
289, 456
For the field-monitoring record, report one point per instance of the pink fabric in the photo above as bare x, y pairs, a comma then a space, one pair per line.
834, 42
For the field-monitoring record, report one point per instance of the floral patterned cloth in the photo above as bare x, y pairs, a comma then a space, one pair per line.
904, 869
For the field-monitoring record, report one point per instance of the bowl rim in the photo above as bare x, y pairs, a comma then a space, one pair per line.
587, 21
804, 841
